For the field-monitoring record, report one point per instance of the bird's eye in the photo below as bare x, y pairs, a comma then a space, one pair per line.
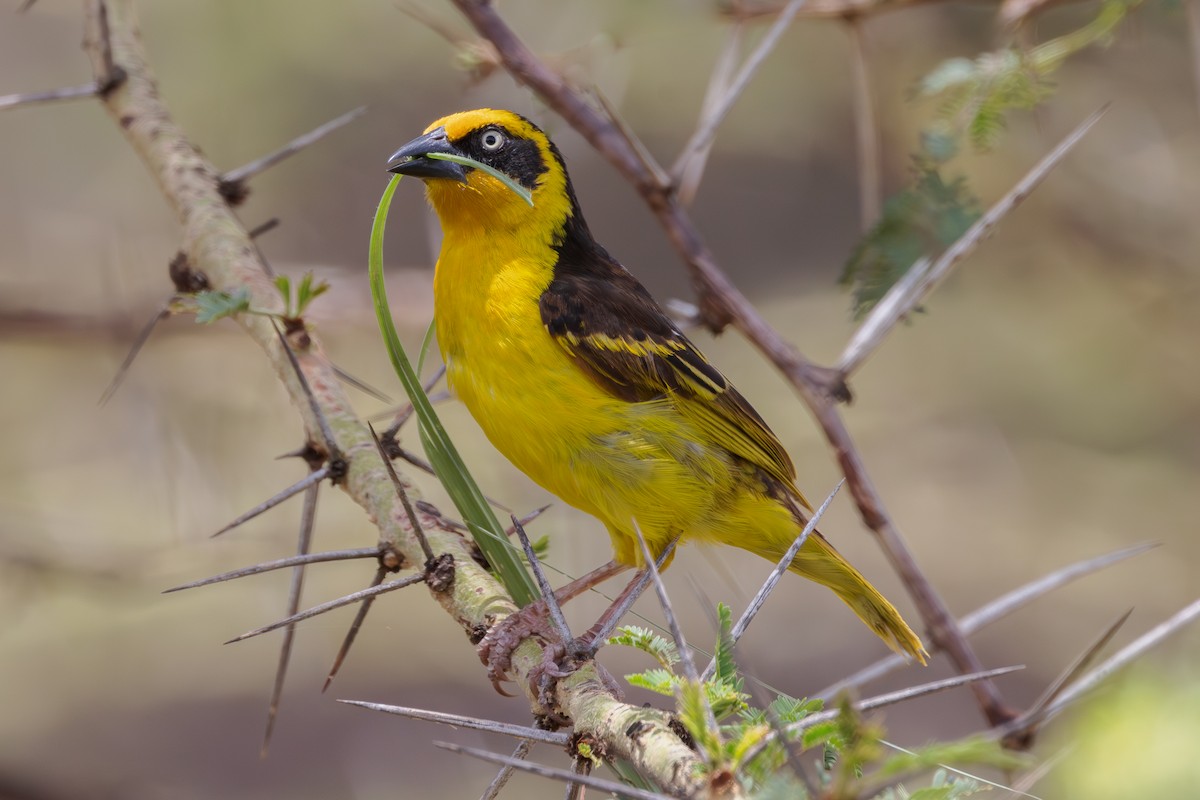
492, 140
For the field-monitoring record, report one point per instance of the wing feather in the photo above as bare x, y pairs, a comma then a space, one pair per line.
617, 334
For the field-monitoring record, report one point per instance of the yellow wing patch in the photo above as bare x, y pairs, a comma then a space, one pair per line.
649, 369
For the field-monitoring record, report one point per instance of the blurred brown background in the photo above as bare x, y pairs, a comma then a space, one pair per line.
1044, 411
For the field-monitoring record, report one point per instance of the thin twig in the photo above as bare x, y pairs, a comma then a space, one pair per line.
702, 139
580, 766
332, 450
402, 493
402, 416
316, 476
902, 298
554, 773
1028, 722
474, 723
528, 518
415, 460
874, 787
997, 609
506, 771
689, 172
785, 741
1121, 659
355, 625
900, 695
891, 698
263, 228
360, 384
629, 595
290, 561
867, 136
756, 604
1192, 9
535, 564
1021, 786
685, 655
346, 600
51, 96
134, 349
307, 518
291, 148
649, 163
681, 645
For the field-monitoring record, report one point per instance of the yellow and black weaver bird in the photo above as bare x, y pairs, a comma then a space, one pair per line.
578, 377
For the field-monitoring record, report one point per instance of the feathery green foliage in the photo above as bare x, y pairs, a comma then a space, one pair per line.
974, 98
925, 218
846, 750
652, 644
213, 305
975, 95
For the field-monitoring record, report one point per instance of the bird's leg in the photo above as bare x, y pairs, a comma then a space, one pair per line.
496, 648
585, 646
559, 659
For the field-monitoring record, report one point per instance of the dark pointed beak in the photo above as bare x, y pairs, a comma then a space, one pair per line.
411, 158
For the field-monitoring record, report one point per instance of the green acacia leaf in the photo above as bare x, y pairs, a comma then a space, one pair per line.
656, 680
212, 305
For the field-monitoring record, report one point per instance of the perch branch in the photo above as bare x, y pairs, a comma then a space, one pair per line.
217, 246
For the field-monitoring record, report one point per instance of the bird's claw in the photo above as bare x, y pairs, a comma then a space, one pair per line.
559, 659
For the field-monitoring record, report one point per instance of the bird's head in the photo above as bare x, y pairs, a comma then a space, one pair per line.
465, 197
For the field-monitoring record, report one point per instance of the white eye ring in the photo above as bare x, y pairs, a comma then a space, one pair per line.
492, 140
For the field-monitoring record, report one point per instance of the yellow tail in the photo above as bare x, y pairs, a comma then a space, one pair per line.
818, 561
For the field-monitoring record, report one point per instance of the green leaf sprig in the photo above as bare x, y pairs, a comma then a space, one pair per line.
443, 455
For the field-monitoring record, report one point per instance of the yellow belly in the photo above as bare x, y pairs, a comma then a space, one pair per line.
616, 460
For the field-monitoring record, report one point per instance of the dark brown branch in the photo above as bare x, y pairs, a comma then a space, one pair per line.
721, 304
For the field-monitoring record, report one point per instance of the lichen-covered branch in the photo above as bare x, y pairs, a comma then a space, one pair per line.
217, 246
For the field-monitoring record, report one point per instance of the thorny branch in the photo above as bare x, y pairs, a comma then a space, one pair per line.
721, 304
217, 246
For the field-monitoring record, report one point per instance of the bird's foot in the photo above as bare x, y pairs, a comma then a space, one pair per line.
502, 639
559, 659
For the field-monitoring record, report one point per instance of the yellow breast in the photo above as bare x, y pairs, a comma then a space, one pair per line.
534, 405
